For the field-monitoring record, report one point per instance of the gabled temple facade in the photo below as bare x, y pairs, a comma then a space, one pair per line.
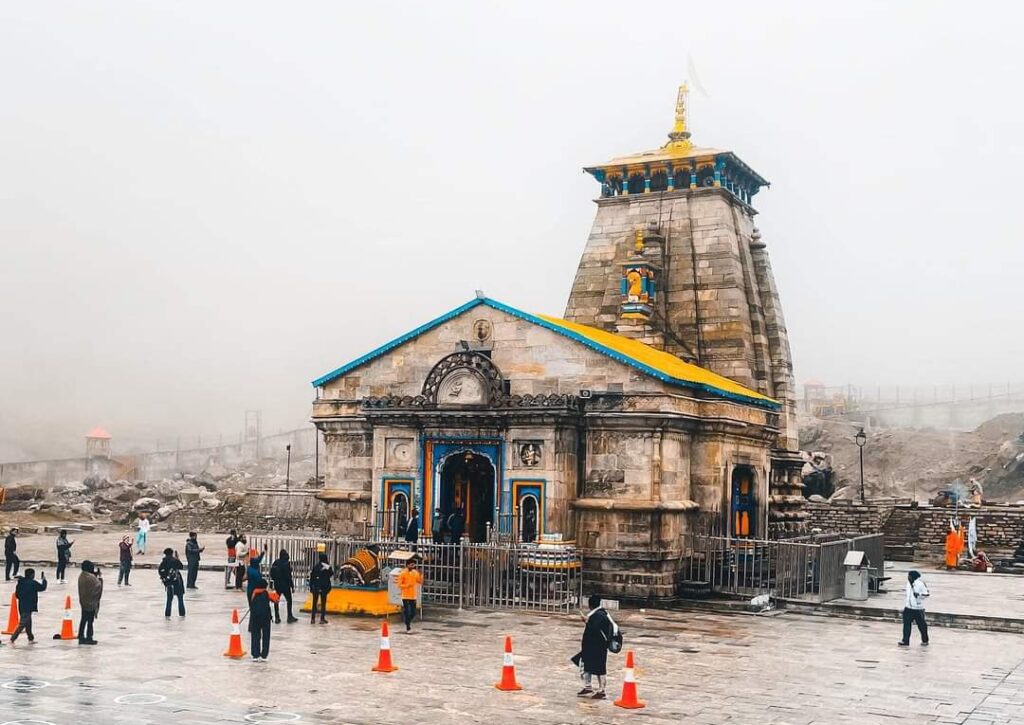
560, 429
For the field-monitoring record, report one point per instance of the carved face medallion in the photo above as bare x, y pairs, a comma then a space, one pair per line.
462, 387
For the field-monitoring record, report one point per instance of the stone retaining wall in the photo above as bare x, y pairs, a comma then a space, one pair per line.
847, 518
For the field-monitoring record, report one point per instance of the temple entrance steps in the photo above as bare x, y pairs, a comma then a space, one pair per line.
901, 534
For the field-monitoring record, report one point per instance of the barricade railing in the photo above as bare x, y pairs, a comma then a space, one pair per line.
488, 575
804, 569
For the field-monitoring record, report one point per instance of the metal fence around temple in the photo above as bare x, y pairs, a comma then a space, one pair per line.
804, 569
491, 575
390, 525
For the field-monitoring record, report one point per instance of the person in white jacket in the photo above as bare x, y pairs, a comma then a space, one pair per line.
913, 608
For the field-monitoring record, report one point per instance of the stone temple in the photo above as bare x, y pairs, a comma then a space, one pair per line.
665, 394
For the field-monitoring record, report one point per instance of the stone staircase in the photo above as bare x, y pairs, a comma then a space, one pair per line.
901, 534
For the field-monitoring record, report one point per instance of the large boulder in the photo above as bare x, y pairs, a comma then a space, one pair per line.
210, 503
164, 511
206, 480
149, 505
82, 509
71, 488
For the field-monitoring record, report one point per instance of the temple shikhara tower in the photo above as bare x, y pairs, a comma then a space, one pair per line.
663, 398
674, 260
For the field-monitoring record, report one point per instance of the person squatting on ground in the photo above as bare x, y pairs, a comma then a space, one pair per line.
230, 542
90, 591
241, 560
192, 556
170, 576
409, 580
11, 554
320, 586
913, 608
27, 594
259, 619
63, 554
124, 552
592, 658
284, 585
143, 533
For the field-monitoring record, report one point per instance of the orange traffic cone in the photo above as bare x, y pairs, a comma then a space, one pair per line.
67, 627
12, 618
235, 650
508, 669
384, 663
629, 699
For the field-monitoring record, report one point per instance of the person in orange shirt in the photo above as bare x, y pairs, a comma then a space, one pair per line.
408, 583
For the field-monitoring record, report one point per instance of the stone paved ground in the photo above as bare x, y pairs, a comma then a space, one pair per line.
694, 668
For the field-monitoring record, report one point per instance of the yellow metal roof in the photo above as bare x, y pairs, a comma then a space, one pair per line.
658, 360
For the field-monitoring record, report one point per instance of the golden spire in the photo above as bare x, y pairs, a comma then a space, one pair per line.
679, 137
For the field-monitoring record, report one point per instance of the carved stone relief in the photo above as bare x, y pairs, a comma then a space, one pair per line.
399, 452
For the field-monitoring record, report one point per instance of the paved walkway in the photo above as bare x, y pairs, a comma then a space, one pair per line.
952, 592
694, 668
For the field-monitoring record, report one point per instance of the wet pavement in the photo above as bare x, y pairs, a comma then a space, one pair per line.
694, 668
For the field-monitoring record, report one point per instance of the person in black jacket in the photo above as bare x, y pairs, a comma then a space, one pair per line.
192, 556
319, 587
27, 594
170, 575
63, 554
593, 656
10, 554
259, 620
284, 585
412, 529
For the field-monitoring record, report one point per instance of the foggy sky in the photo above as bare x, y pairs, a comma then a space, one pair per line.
204, 206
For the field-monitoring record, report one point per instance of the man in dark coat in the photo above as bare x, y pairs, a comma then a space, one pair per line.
27, 594
284, 584
11, 555
320, 587
192, 556
259, 620
170, 575
412, 529
456, 524
90, 591
593, 656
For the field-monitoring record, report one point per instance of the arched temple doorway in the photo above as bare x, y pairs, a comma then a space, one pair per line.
528, 517
467, 486
399, 504
744, 502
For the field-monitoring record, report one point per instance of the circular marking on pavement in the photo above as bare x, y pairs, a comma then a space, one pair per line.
270, 717
139, 698
24, 684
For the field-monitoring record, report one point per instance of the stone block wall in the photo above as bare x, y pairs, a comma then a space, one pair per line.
847, 519
1000, 529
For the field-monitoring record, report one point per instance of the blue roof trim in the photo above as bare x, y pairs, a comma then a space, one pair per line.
628, 360
388, 346
548, 326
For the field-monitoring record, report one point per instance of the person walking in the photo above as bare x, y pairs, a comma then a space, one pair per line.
27, 594
409, 582
63, 555
284, 584
437, 527
143, 533
229, 569
593, 656
124, 568
320, 587
90, 591
241, 560
192, 556
259, 619
11, 560
913, 608
170, 576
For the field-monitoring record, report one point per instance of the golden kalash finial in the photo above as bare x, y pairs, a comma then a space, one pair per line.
679, 137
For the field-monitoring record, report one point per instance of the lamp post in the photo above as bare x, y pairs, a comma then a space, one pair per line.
861, 439
288, 471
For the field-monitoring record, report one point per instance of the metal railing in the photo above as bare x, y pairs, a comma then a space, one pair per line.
806, 569
492, 575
